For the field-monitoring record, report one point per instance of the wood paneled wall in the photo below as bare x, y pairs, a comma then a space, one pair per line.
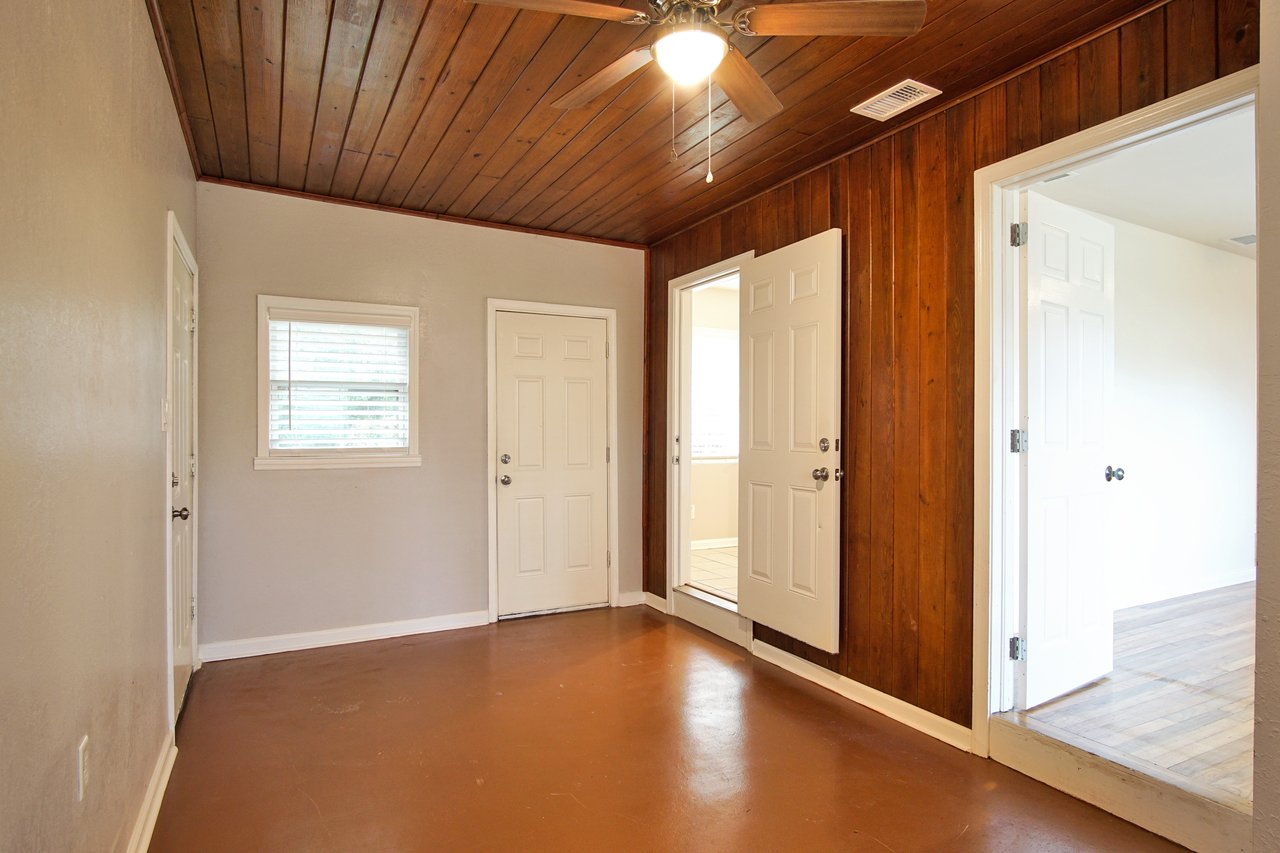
905, 205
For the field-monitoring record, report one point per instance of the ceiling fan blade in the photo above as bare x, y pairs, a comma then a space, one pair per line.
605, 79
601, 11
835, 18
746, 88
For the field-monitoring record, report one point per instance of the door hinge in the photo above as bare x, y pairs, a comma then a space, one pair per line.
1017, 648
608, 455
1017, 441
608, 559
675, 460
606, 349
193, 608
1019, 233
193, 469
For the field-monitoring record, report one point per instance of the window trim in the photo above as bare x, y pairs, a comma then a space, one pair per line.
327, 310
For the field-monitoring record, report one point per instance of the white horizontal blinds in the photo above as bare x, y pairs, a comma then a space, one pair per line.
337, 384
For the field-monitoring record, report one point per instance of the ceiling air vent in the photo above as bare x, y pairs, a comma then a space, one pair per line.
894, 100
1245, 239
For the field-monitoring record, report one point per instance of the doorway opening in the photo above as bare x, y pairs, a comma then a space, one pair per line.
1138, 597
1122, 463
713, 438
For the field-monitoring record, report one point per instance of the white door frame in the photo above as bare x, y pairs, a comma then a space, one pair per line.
610, 317
998, 383
177, 241
679, 295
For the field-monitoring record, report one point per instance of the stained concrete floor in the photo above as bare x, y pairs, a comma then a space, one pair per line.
597, 730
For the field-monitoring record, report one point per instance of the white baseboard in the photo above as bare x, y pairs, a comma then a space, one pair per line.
1166, 809
919, 719
704, 544
630, 599
656, 602
253, 646
140, 839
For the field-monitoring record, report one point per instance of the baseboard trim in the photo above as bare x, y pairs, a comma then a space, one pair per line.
254, 646
145, 823
1165, 809
630, 599
657, 602
952, 734
704, 544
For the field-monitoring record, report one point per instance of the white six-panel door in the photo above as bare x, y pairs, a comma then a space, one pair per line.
789, 461
1070, 368
551, 432
182, 476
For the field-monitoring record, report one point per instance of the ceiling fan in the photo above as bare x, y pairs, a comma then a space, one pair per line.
693, 44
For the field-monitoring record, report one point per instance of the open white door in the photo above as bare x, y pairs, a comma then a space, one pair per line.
552, 446
1068, 620
789, 449
182, 463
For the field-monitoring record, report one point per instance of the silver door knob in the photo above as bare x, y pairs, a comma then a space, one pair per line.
505, 459
821, 474
505, 479
183, 513
1113, 474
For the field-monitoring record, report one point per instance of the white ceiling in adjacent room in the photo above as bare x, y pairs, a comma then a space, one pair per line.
1198, 183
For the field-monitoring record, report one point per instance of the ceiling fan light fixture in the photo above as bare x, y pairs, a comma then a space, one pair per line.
689, 52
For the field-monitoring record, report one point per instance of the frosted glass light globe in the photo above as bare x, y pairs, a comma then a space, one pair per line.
689, 55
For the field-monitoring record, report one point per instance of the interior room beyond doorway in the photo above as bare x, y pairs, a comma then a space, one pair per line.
713, 445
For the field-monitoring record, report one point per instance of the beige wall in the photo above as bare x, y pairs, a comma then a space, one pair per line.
92, 158
713, 489
1266, 765
292, 551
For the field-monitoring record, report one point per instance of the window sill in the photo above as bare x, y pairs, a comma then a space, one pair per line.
300, 463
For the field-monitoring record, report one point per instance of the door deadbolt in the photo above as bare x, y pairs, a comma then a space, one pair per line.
505, 459
824, 445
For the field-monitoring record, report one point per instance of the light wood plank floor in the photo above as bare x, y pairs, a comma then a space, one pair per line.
715, 570
1179, 704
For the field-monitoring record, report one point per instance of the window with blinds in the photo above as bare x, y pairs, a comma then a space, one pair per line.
338, 384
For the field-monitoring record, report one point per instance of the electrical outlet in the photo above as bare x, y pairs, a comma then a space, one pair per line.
82, 767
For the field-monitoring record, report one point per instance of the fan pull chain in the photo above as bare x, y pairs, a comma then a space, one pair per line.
710, 177
673, 120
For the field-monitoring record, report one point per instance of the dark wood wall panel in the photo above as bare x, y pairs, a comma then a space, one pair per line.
905, 205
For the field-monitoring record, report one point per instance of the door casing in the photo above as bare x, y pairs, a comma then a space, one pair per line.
999, 381
610, 316
176, 247
679, 334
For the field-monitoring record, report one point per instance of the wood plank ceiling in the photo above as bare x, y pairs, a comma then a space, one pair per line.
445, 107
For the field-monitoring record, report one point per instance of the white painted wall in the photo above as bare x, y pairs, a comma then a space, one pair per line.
1184, 519
293, 551
1266, 744
93, 157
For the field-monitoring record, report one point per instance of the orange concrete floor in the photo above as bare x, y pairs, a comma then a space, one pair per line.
599, 730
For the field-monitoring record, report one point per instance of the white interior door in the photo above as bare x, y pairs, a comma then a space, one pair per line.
552, 462
1068, 620
182, 456
789, 454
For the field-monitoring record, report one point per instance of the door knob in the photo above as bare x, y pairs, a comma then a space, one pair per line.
1113, 473
505, 479
505, 459
183, 513
821, 474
